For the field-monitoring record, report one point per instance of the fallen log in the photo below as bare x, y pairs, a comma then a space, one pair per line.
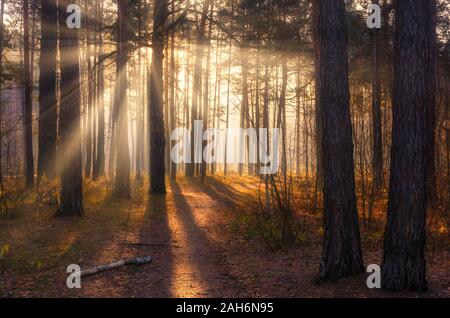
105, 267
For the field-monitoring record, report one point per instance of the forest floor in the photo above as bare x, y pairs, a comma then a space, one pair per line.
198, 238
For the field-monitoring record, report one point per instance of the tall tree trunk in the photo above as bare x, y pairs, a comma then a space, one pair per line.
28, 105
69, 116
217, 93
47, 89
447, 133
244, 112
166, 89
205, 114
197, 84
282, 119
173, 167
2, 12
140, 105
122, 173
155, 113
257, 112
306, 132
89, 106
404, 241
266, 125
377, 142
431, 144
112, 134
318, 120
297, 121
95, 91
289, 232
341, 254
227, 116
100, 159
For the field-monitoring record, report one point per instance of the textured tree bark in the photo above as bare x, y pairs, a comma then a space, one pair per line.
341, 254
431, 149
404, 240
318, 121
47, 89
2, 13
377, 142
447, 133
69, 117
28, 120
155, 113
122, 173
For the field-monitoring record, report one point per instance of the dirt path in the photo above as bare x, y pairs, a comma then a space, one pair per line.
203, 259
195, 253
187, 258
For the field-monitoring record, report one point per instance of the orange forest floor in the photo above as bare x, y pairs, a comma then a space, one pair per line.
202, 240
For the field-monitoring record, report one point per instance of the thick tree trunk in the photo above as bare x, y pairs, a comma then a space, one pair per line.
431, 144
404, 241
377, 142
341, 254
69, 116
155, 113
2, 12
122, 173
447, 134
318, 120
28, 105
47, 89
